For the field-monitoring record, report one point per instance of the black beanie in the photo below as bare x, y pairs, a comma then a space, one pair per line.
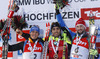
55, 24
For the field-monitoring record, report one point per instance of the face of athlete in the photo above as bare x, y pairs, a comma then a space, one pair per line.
80, 29
34, 34
56, 31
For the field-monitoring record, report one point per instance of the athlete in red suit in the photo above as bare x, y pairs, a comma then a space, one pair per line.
32, 47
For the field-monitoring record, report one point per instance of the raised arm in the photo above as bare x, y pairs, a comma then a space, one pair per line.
62, 24
16, 47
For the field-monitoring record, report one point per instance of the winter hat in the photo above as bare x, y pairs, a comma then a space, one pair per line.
55, 24
35, 28
80, 21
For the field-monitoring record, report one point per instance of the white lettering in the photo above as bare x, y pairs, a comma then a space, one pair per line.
20, 37
98, 15
85, 43
95, 13
81, 42
37, 48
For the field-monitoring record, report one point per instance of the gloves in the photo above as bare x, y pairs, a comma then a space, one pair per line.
57, 6
19, 31
93, 52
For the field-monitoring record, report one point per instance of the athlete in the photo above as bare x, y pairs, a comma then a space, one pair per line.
80, 40
59, 44
32, 47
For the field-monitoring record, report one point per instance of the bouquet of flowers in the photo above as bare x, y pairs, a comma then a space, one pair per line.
18, 22
61, 3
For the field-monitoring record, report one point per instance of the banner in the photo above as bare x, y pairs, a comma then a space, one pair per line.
85, 13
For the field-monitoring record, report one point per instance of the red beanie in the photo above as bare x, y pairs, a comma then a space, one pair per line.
80, 21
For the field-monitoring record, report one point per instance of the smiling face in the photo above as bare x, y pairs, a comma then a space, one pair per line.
34, 34
80, 29
56, 31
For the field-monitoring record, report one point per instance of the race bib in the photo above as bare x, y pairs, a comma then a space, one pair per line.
35, 55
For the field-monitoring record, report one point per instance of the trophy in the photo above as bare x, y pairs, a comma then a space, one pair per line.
93, 30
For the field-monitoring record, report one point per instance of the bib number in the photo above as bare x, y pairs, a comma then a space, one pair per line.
35, 55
